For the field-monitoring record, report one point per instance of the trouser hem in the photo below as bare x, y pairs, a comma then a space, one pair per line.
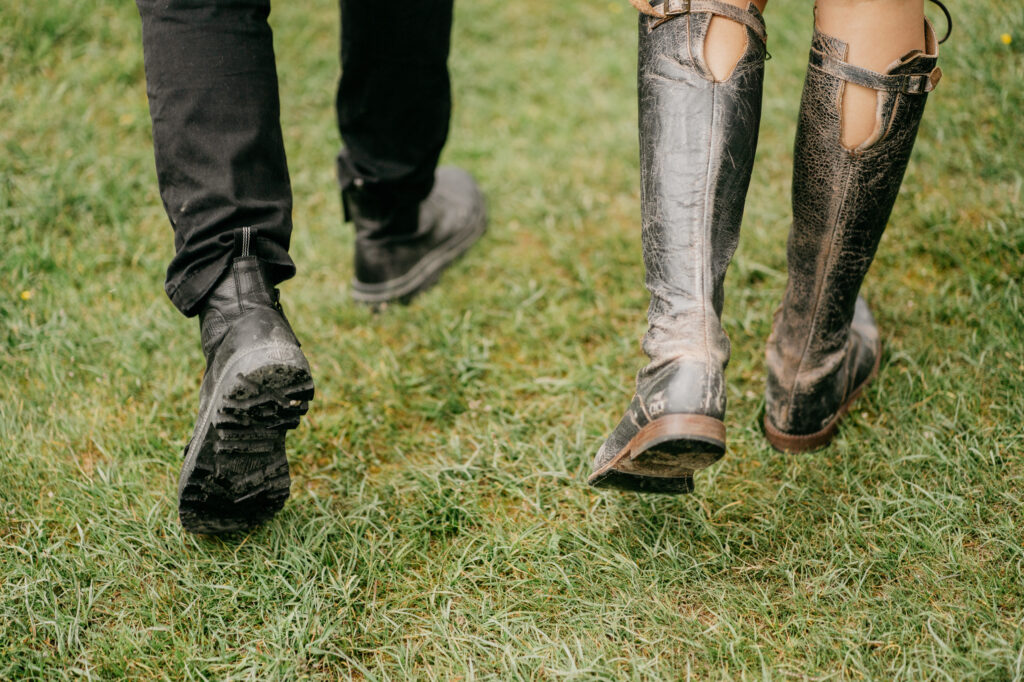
188, 290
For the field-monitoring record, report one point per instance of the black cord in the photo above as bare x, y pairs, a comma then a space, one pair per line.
949, 21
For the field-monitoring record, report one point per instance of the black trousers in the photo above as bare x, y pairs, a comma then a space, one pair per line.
213, 97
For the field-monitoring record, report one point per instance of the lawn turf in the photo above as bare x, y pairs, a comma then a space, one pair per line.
439, 525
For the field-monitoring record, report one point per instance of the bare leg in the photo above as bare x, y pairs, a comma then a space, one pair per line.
878, 32
726, 41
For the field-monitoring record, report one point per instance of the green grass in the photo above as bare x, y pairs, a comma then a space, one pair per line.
439, 525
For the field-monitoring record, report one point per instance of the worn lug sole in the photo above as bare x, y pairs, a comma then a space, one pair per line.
238, 476
793, 443
663, 455
426, 273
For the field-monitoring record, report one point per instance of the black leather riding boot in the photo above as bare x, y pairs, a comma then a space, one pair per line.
257, 385
697, 142
402, 245
824, 347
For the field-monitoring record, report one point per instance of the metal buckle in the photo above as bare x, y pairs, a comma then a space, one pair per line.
673, 9
921, 83
914, 83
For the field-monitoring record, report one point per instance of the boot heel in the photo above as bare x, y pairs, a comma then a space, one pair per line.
663, 455
691, 441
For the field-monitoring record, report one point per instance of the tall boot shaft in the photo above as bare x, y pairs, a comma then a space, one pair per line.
697, 142
842, 199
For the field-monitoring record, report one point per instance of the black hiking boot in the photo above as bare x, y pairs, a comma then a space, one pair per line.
402, 251
257, 385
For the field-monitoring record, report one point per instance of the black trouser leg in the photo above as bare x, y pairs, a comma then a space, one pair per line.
212, 87
394, 103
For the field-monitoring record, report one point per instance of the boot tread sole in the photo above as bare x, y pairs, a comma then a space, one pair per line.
240, 475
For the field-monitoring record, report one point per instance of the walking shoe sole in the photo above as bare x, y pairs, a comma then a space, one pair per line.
424, 274
791, 443
237, 477
663, 455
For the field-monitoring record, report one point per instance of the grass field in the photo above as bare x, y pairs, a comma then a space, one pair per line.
439, 525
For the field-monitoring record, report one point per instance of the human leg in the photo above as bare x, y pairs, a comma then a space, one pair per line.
212, 87
700, 108
876, 32
825, 346
393, 106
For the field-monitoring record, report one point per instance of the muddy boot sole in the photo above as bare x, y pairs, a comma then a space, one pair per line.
663, 456
237, 477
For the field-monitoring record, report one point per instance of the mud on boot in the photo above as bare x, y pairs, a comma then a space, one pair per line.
697, 141
256, 387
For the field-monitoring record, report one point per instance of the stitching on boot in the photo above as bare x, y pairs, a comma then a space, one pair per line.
703, 251
829, 257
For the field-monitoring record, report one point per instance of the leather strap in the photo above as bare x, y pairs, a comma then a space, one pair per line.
907, 83
670, 9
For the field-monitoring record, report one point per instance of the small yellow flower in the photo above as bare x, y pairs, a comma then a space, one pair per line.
1006, 38
25, 295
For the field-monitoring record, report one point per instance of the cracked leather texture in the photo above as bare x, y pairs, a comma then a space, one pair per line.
842, 199
697, 143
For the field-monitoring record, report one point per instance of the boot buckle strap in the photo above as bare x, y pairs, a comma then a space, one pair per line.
906, 83
666, 11
919, 83
670, 9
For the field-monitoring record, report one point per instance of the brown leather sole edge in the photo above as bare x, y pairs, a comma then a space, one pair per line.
663, 455
791, 443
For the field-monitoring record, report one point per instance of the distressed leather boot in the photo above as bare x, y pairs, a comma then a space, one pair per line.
401, 249
697, 142
257, 385
824, 347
